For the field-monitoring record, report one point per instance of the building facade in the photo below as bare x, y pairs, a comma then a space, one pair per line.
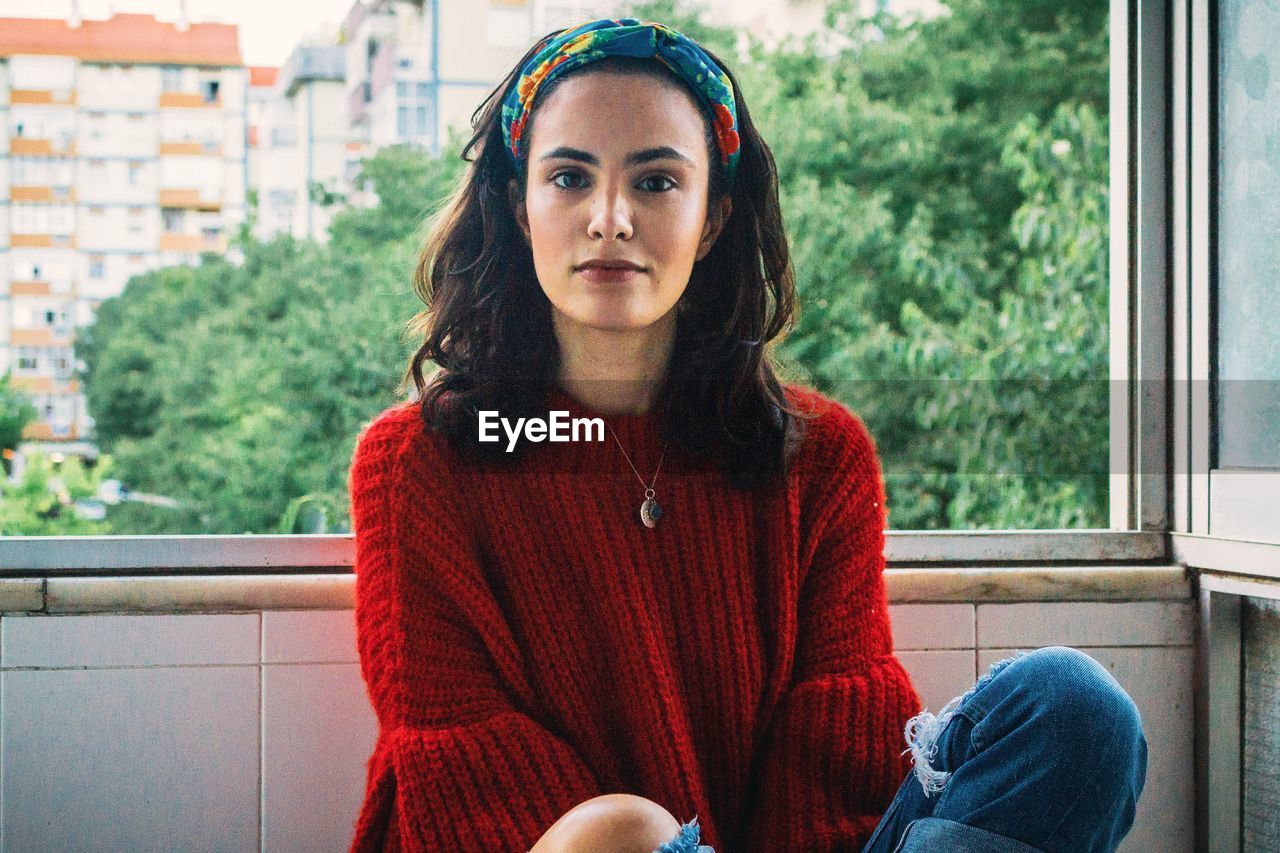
122, 149
302, 149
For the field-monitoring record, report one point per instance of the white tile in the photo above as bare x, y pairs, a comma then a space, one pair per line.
309, 636
1159, 680
939, 676
318, 733
1080, 624
932, 626
148, 759
129, 640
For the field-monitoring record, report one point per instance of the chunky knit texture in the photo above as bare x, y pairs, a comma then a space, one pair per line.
527, 644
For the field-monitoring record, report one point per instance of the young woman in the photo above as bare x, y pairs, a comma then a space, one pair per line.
568, 643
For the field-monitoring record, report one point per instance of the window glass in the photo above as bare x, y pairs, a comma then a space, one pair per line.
943, 177
1248, 303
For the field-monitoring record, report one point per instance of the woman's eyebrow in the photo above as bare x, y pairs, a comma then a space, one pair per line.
646, 155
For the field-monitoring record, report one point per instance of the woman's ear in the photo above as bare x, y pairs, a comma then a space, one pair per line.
518, 209
715, 225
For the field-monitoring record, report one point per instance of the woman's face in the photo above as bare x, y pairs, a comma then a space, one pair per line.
617, 170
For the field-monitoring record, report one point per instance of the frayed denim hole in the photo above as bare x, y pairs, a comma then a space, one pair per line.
923, 730
686, 840
979, 742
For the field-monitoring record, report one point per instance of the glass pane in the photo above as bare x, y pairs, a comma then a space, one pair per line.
1248, 262
942, 175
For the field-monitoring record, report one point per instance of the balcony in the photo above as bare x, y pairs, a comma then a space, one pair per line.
30, 192
62, 97
192, 198
307, 64
34, 384
188, 100
191, 149
25, 146
261, 668
186, 243
183, 243
42, 241
223, 670
43, 431
45, 336
30, 288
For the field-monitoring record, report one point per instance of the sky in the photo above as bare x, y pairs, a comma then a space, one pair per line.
269, 29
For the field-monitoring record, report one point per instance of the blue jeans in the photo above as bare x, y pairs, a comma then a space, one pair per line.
1044, 754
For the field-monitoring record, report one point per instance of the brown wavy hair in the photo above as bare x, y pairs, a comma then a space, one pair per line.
487, 326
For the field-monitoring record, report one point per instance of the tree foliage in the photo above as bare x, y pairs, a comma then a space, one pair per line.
944, 190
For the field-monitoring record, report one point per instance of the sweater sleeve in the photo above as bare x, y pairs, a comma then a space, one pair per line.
835, 756
460, 762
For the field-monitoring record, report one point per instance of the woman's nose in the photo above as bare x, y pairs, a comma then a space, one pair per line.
610, 214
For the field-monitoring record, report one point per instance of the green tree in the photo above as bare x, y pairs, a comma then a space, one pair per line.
42, 503
16, 411
943, 185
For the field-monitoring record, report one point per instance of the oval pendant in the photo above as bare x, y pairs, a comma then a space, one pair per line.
650, 512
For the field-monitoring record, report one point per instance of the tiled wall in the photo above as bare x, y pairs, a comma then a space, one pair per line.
1146, 646
234, 731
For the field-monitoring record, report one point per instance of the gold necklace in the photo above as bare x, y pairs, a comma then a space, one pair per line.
650, 511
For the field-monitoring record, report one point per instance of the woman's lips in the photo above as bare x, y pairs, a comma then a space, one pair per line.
608, 275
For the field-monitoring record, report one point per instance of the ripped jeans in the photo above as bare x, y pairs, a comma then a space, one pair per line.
1045, 753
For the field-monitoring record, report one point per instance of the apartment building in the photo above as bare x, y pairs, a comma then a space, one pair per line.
122, 149
415, 69
300, 144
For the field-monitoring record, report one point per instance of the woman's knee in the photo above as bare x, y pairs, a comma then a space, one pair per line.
1084, 701
624, 823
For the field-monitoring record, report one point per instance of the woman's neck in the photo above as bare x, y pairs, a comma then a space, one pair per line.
614, 372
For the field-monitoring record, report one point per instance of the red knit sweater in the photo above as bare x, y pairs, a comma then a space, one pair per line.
527, 644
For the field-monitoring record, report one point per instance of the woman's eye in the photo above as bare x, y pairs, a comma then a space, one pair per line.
662, 178
555, 179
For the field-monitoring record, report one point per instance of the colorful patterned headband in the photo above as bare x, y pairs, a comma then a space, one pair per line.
624, 37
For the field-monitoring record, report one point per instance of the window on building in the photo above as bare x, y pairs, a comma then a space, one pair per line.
424, 90
209, 91
402, 122
97, 267
421, 128
402, 89
171, 78
172, 218
27, 359
61, 365
135, 174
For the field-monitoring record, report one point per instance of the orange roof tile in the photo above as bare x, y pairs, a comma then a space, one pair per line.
262, 75
122, 38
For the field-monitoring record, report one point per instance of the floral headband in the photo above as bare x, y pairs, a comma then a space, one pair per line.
594, 40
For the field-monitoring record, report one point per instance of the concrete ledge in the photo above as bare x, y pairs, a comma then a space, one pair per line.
203, 593
329, 591
1059, 583
19, 595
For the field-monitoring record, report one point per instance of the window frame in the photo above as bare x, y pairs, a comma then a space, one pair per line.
1159, 327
